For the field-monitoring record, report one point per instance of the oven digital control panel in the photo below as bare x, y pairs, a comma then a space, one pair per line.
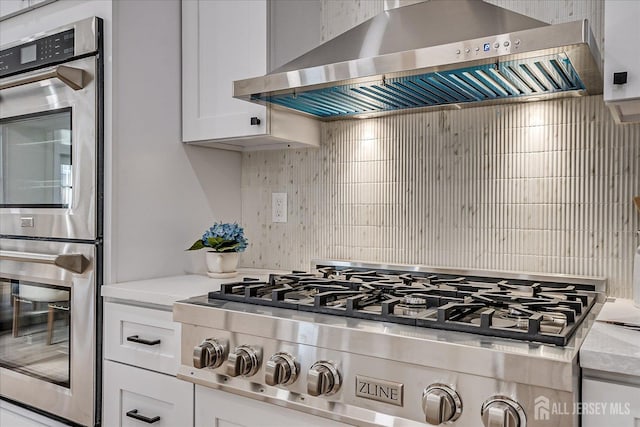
37, 53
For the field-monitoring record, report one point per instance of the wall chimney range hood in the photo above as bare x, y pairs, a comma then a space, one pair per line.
435, 54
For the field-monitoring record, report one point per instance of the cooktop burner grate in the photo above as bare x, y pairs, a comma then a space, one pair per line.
544, 312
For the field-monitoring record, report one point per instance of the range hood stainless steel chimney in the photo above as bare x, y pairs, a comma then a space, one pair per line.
435, 54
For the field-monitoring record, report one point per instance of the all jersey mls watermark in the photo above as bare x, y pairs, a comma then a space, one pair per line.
545, 409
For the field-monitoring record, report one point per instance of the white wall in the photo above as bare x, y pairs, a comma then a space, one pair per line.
164, 193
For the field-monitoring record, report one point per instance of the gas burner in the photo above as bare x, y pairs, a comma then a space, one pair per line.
539, 311
513, 316
413, 300
500, 322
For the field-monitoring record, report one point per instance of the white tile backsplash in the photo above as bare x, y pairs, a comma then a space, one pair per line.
542, 187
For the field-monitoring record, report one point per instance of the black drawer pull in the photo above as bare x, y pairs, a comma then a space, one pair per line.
134, 414
136, 338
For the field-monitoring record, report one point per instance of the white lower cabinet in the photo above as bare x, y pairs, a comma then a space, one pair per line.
17, 416
610, 404
135, 397
216, 408
141, 358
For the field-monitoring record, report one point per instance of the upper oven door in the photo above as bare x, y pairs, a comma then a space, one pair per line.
48, 152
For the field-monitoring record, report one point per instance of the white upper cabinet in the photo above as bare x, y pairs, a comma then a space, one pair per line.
621, 59
13, 7
223, 41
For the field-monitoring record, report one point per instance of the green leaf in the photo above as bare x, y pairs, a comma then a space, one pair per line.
219, 244
228, 246
214, 242
196, 245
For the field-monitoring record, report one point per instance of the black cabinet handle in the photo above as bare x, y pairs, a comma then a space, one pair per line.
134, 414
255, 121
135, 338
620, 78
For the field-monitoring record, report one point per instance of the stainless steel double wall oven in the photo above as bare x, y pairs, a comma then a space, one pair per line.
51, 194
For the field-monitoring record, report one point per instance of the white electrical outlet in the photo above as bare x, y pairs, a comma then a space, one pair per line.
278, 207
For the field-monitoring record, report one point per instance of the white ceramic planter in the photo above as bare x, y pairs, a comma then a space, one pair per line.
222, 264
194, 262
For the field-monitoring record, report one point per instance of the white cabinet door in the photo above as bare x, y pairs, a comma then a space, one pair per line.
216, 408
610, 404
135, 397
17, 416
621, 38
8, 7
222, 41
622, 35
141, 337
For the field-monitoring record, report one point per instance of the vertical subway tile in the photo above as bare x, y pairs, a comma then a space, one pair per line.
486, 187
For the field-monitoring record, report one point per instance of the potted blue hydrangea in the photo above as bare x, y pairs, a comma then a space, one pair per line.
224, 242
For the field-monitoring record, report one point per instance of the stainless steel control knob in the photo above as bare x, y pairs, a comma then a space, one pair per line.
244, 361
500, 411
441, 404
323, 379
281, 369
209, 354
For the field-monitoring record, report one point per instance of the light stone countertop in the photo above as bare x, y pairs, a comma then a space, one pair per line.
613, 348
164, 291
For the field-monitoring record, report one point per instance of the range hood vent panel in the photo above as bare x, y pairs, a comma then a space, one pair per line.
534, 77
434, 54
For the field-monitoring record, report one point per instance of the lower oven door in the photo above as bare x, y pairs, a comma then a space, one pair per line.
49, 152
48, 327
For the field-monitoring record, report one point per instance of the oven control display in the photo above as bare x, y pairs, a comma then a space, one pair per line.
36, 54
28, 54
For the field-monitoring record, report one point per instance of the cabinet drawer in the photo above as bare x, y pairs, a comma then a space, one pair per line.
141, 337
134, 397
610, 404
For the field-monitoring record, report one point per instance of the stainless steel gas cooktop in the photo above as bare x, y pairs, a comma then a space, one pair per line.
541, 311
395, 345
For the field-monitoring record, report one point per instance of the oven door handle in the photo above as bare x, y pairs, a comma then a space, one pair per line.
72, 77
76, 263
